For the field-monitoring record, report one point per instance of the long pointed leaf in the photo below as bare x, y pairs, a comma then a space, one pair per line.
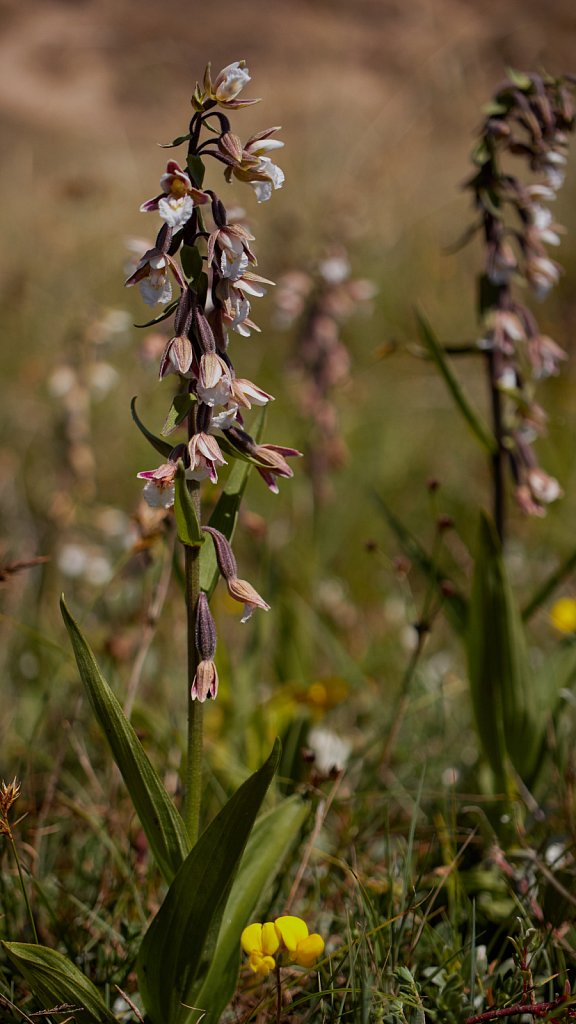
434, 347
160, 820
163, 447
501, 681
178, 947
187, 525
56, 980
270, 841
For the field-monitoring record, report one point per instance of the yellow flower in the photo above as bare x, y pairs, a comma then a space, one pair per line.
260, 942
563, 615
304, 949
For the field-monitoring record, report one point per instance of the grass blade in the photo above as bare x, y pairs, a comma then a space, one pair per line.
437, 354
56, 980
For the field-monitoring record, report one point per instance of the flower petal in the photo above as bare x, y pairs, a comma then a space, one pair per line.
291, 930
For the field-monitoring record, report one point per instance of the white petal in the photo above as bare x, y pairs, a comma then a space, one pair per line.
176, 212
158, 497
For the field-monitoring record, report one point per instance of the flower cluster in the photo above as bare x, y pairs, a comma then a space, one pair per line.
285, 940
319, 303
9, 793
206, 254
529, 118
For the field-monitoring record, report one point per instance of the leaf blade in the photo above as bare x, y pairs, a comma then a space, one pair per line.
178, 946
476, 425
187, 525
159, 817
266, 849
55, 979
502, 684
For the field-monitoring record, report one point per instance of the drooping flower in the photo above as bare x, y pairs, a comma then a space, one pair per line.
214, 380
232, 239
159, 487
151, 275
205, 457
239, 589
257, 168
205, 683
260, 942
177, 357
230, 82
244, 592
248, 394
177, 199
273, 463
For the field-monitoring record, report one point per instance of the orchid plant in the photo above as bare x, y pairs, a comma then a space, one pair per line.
217, 282
201, 270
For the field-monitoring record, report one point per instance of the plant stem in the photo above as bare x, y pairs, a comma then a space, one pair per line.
193, 764
497, 459
278, 995
22, 886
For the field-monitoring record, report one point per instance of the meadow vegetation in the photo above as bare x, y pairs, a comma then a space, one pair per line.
406, 852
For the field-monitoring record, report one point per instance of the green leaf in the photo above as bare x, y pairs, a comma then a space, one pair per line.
178, 948
166, 312
480, 154
455, 604
161, 446
175, 142
472, 419
192, 263
197, 170
272, 836
520, 79
160, 820
557, 672
187, 525
502, 684
495, 109
179, 410
55, 980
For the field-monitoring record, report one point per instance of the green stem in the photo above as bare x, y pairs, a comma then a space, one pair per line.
497, 457
23, 887
193, 765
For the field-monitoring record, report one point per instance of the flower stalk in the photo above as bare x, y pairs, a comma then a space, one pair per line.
9, 793
205, 253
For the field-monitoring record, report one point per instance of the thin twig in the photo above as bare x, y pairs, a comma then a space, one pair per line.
319, 819
152, 616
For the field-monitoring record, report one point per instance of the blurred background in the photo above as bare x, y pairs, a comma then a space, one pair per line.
379, 101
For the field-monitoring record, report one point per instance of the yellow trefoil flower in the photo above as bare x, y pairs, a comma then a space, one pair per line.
563, 615
289, 935
260, 942
303, 948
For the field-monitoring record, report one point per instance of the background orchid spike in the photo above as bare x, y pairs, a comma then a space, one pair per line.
530, 117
